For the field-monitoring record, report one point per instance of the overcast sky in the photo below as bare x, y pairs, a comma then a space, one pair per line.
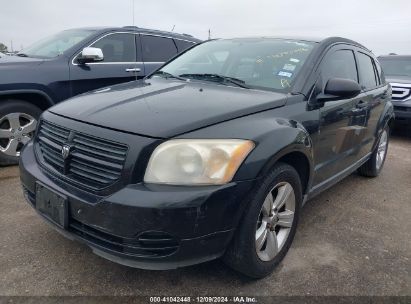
384, 26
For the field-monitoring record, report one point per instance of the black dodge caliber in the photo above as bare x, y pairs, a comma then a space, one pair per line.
213, 155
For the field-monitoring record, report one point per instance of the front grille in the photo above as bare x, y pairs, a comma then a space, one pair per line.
94, 162
400, 91
148, 244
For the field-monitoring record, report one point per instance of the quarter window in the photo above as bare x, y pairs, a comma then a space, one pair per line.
340, 64
157, 49
367, 72
118, 47
183, 45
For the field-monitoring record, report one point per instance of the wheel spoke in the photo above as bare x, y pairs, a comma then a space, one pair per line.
11, 148
5, 133
282, 196
285, 218
14, 120
268, 205
260, 236
30, 127
271, 248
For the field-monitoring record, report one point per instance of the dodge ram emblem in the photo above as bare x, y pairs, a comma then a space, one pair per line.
65, 151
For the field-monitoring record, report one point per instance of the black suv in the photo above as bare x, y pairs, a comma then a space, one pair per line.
70, 63
211, 156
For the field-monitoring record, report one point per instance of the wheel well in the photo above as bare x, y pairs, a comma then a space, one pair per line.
36, 99
301, 164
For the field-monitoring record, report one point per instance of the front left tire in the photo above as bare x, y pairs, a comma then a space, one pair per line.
18, 121
269, 224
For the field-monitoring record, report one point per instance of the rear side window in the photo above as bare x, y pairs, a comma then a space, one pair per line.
118, 47
183, 45
367, 73
157, 49
340, 64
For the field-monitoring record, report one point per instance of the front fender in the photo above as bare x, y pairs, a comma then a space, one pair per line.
274, 138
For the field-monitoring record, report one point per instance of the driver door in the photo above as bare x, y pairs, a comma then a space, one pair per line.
121, 63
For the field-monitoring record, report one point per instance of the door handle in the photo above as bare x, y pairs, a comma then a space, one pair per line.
361, 104
133, 70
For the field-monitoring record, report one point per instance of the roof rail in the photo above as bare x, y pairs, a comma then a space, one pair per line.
130, 26
188, 35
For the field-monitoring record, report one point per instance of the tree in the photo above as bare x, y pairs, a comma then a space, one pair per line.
3, 48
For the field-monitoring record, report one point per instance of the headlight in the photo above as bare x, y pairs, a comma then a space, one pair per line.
197, 162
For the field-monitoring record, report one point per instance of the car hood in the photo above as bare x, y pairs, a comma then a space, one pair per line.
165, 108
398, 79
17, 60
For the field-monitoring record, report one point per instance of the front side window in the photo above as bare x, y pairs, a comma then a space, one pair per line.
117, 47
366, 70
56, 45
157, 49
259, 63
340, 64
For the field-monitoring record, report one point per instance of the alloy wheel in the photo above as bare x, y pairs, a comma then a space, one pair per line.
275, 221
382, 149
16, 129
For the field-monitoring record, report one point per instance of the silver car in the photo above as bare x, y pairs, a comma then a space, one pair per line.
397, 70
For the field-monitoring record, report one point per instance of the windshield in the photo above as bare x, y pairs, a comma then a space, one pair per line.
55, 45
396, 67
257, 63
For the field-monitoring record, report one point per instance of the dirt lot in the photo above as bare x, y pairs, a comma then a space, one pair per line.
354, 239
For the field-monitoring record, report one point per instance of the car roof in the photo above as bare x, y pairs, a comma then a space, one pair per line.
326, 41
395, 57
141, 30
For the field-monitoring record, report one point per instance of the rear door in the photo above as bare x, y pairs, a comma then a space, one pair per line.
122, 63
156, 50
374, 96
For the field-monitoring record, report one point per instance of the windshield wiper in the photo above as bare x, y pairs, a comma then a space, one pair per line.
22, 55
217, 77
168, 75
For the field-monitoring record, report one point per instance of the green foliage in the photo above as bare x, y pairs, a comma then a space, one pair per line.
3, 48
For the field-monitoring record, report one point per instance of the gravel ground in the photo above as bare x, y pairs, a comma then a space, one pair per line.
353, 239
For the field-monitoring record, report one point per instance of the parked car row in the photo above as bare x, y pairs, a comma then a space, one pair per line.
398, 73
70, 63
212, 155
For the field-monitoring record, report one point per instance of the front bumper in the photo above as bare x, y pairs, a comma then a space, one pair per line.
145, 226
402, 113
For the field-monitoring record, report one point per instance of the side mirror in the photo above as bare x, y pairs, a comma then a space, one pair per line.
339, 88
90, 54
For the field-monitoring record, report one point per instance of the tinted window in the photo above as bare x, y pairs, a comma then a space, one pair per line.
118, 48
183, 45
157, 49
366, 71
340, 64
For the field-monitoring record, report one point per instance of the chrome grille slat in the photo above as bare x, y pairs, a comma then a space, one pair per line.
93, 162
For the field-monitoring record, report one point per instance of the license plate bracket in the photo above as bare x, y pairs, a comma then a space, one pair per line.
52, 205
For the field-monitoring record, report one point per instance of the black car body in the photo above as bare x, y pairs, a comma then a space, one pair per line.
53, 70
92, 153
397, 69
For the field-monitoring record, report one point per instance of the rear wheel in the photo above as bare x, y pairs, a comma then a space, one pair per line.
374, 165
265, 233
18, 121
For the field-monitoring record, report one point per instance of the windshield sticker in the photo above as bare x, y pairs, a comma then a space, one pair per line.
285, 83
289, 67
285, 74
294, 60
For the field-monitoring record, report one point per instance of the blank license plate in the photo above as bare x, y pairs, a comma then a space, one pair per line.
52, 205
